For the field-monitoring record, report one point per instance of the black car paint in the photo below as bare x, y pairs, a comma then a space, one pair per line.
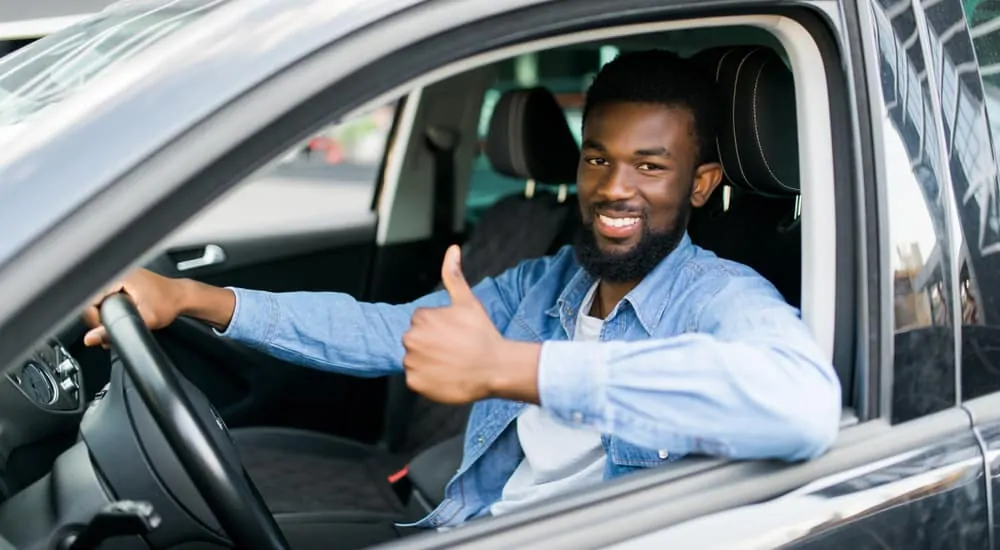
934, 499
924, 361
958, 503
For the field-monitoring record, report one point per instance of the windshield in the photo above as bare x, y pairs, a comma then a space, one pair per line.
49, 70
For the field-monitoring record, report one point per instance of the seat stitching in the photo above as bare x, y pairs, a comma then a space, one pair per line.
516, 133
718, 147
756, 132
736, 145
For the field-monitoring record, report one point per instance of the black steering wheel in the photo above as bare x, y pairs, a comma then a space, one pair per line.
224, 485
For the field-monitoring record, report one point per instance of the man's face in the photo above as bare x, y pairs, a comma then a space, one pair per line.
637, 181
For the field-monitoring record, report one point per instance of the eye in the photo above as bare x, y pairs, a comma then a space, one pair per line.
595, 161
649, 167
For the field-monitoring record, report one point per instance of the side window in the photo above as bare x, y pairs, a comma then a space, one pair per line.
977, 146
348, 152
327, 179
565, 73
920, 248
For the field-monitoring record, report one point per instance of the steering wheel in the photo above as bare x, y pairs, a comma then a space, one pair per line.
224, 486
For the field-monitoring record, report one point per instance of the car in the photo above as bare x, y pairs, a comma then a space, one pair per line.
860, 150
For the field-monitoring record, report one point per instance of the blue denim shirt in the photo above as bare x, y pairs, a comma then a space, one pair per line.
703, 356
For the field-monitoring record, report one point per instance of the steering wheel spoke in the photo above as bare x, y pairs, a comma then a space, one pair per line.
197, 442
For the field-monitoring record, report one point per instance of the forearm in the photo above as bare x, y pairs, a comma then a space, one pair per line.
210, 304
324, 330
330, 330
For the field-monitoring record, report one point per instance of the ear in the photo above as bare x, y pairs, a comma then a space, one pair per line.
706, 178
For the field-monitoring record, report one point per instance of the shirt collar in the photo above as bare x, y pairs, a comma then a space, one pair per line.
648, 299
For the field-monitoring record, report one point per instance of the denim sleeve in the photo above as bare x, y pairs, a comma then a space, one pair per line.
334, 332
750, 384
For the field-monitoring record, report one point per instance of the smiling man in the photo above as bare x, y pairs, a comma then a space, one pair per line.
631, 348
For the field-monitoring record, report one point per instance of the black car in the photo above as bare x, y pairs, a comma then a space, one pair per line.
861, 178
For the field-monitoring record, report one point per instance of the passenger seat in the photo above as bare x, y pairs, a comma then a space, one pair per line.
756, 220
307, 476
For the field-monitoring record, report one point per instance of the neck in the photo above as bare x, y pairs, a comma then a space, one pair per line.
607, 297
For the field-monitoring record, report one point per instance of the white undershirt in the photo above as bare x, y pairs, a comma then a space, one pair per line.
557, 457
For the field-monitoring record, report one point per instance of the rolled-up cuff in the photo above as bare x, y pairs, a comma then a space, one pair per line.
253, 317
572, 382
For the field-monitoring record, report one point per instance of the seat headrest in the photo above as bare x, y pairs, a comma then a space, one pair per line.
529, 138
757, 136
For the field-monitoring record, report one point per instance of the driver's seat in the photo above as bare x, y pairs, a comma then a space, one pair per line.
317, 484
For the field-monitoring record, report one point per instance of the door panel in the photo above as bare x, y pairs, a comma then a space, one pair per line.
990, 434
933, 497
305, 224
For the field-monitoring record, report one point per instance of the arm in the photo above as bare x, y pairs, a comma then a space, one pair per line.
753, 384
333, 331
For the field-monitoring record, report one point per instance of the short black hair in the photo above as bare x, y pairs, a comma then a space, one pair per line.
660, 77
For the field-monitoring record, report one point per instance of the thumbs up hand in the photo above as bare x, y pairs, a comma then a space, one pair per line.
454, 354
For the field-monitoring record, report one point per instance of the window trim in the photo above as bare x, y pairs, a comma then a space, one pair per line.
819, 235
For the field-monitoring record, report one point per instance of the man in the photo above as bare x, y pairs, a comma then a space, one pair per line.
631, 348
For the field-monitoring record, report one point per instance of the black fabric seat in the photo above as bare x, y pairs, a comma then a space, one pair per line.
308, 478
756, 221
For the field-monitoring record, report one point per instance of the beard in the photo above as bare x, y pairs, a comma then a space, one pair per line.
635, 263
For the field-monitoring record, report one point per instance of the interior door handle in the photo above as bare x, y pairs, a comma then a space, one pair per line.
213, 255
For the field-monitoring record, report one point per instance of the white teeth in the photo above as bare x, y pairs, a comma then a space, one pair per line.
618, 222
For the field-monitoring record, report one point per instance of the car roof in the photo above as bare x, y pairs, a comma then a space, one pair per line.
56, 164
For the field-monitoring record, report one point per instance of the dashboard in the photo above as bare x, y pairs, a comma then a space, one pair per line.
50, 378
42, 400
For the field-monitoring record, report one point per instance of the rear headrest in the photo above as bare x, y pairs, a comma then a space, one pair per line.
529, 138
758, 138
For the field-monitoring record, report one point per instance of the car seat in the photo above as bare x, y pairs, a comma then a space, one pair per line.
300, 473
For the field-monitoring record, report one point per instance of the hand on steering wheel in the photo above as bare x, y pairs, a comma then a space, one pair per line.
224, 486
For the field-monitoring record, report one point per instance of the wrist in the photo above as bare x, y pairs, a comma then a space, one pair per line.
207, 303
514, 371
185, 297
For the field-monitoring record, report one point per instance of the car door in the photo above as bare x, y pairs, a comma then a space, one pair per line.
968, 41
931, 459
932, 490
305, 223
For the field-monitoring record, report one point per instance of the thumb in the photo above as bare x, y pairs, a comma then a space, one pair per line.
453, 279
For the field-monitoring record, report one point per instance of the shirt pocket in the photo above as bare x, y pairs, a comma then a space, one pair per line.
622, 453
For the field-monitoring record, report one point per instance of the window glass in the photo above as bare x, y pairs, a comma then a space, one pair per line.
920, 249
349, 151
976, 131
564, 72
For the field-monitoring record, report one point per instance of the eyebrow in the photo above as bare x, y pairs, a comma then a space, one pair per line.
653, 152
650, 152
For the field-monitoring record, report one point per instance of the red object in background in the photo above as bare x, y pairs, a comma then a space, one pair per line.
400, 474
332, 152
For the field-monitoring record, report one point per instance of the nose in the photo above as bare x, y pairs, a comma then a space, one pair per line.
617, 185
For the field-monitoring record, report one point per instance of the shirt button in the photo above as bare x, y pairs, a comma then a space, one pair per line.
663, 454
480, 440
577, 417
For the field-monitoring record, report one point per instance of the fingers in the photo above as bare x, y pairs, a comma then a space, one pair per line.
91, 316
96, 337
453, 279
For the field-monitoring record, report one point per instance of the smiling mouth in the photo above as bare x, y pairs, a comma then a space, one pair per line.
617, 228
617, 222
